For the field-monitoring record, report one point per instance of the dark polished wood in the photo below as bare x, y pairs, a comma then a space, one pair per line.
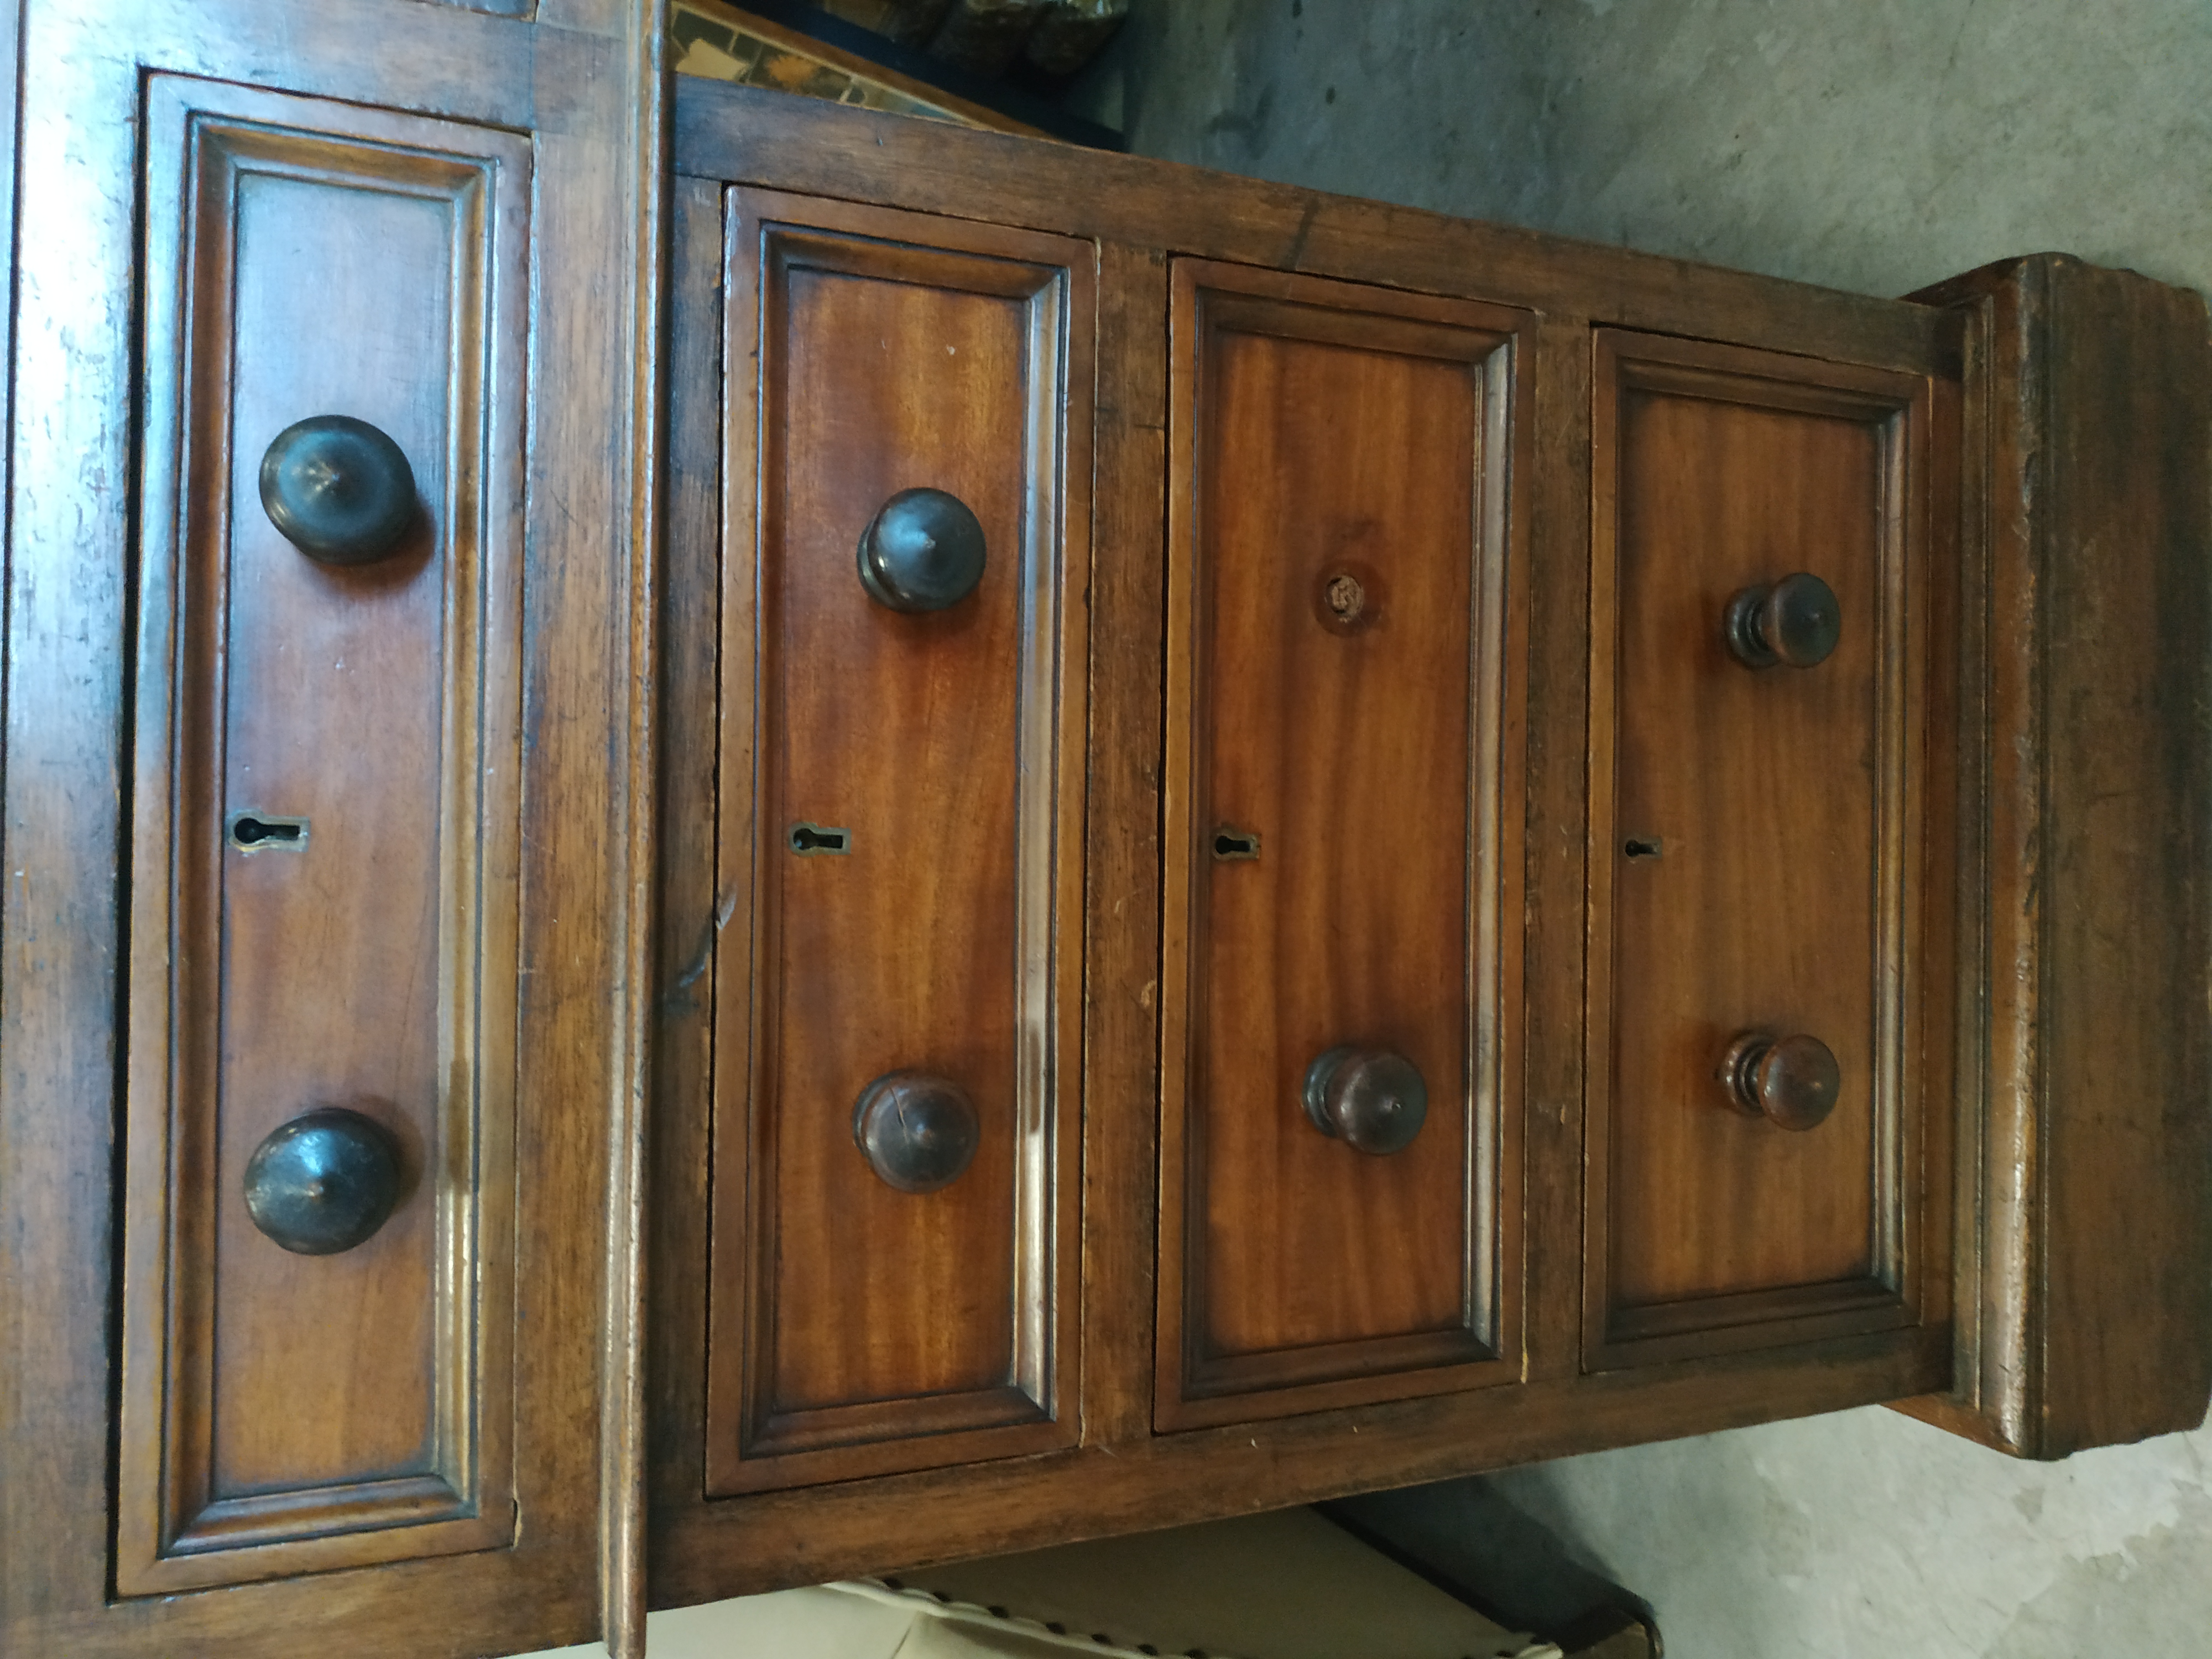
859, 1325
1544, 696
236, 214
2084, 1181
1877, 384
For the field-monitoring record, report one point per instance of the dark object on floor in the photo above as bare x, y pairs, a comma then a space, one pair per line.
1470, 1542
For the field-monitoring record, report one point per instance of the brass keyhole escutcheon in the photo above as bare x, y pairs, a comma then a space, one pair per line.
816, 840
1234, 845
261, 832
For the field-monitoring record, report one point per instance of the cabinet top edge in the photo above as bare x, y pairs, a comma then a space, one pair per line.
730, 134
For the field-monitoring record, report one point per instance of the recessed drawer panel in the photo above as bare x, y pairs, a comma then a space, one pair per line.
326, 835
1758, 705
897, 1133
1333, 1134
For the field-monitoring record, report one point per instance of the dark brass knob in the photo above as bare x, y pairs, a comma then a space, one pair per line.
1796, 621
918, 1132
338, 488
1370, 1097
1791, 1081
323, 1182
922, 551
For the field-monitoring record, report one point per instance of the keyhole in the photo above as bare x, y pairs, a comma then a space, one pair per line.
1230, 843
815, 839
251, 832
1643, 847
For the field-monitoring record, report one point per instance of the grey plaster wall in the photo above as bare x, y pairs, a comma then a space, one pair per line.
1869, 144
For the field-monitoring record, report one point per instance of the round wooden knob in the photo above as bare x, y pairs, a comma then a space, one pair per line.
323, 1182
1791, 1081
922, 551
1797, 620
918, 1132
338, 488
1371, 1098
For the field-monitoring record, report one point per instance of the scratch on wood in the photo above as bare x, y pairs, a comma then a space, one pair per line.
724, 907
1305, 230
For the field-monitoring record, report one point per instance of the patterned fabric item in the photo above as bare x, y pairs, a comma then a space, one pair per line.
720, 44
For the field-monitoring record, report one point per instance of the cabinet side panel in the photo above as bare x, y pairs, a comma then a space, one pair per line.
2128, 950
2085, 1251
324, 842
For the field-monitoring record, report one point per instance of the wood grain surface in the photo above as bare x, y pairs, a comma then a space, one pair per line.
1758, 866
1144, 216
2084, 1316
372, 965
539, 89
1324, 435
893, 356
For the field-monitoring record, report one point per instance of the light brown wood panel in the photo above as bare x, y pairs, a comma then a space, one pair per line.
1775, 817
856, 1327
273, 1397
1322, 433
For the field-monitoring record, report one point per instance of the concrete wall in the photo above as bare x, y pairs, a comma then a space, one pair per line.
1868, 144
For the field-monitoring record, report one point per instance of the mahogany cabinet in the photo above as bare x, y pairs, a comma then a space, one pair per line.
983, 842
1524, 740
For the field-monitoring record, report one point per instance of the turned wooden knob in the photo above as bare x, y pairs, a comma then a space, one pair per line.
1791, 1081
918, 1132
1371, 1098
338, 489
1796, 621
922, 551
323, 1182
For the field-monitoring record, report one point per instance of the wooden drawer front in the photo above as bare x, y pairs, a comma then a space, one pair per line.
1338, 525
283, 1412
1754, 851
855, 1328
